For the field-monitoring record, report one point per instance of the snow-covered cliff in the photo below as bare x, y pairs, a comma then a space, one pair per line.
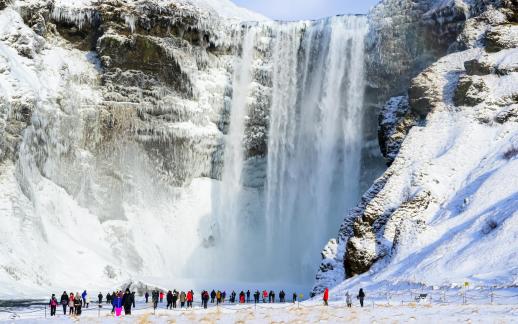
445, 210
144, 138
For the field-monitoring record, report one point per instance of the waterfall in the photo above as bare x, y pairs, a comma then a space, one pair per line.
229, 207
314, 144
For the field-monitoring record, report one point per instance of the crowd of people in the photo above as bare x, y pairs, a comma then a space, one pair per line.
119, 300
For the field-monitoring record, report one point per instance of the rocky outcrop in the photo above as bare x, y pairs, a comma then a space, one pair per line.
501, 37
470, 91
396, 119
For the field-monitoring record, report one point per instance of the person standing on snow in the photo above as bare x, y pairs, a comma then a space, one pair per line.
53, 304
127, 302
326, 296
71, 304
218, 297
265, 295
294, 297
348, 300
190, 298
77, 305
146, 295
154, 298
108, 298
161, 296
83, 296
100, 298
169, 299
212, 296
256, 296
64, 302
205, 298
183, 297
175, 298
361, 296
248, 296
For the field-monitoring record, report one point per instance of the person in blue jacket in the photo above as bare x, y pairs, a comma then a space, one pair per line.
83, 296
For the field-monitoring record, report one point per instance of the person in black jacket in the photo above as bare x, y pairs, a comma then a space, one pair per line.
64, 302
169, 299
147, 297
100, 298
361, 296
133, 298
126, 302
212, 296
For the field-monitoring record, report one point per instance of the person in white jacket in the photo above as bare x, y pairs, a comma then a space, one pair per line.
348, 299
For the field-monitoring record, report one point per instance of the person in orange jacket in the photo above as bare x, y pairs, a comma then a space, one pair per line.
326, 296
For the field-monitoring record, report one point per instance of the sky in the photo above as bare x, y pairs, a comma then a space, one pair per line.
306, 9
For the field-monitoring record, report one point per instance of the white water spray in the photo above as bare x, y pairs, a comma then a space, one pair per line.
314, 146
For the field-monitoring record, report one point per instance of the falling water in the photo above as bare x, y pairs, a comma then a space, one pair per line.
314, 145
315, 140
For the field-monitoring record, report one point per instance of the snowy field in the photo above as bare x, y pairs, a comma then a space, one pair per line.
444, 306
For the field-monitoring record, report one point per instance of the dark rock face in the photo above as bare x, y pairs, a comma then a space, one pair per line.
501, 37
477, 67
143, 54
470, 91
395, 120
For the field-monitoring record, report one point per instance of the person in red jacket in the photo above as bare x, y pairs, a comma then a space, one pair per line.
326, 296
161, 296
190, 296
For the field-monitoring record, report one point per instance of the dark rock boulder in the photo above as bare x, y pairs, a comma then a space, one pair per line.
470, 91
477, 67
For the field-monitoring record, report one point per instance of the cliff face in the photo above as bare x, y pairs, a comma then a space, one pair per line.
445, 138
117, 118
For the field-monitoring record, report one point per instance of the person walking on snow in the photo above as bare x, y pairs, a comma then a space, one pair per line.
100, 298
64, 302
361, 296
212, 296
256, 296
248, 296
147, 297
326, 296
53, 304
265, 295
294, 297
161, 297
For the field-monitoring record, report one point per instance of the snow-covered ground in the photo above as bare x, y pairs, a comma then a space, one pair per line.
376, 310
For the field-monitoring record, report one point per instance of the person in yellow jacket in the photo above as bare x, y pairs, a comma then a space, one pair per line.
218, 297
